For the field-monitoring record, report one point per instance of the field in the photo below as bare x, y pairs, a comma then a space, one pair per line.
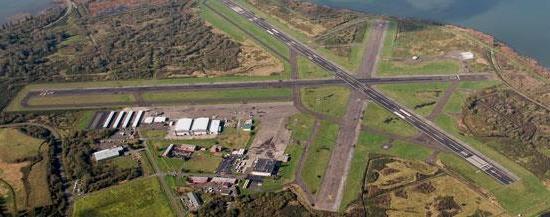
308, 70
391, 68
141, 197
420, 98
331, 100
379, 118
200, 162
16, 149
318, 156
86, 99
219, 95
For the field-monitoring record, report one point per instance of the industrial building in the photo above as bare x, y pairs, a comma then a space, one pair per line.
215, 127
107, 153
122, 119
183, 127
265, 167
194, 201
200, 126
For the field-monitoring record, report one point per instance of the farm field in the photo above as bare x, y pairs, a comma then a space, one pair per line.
31, 188
318, 156
328, 100
140, 197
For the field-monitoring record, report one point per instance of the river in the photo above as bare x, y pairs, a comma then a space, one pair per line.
522, 24
10, 8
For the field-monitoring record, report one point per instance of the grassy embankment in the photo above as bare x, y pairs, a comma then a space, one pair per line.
140, 197
318, 155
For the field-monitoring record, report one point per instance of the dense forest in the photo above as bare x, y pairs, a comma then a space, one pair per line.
157, 41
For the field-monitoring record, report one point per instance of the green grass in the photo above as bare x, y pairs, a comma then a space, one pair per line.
375, 117
219, 96
457, 100
393, 68
153, 134
124, 162
16, 145
330, 100
308, 70
76, 100
389, 40
84, 119
318, 156
200, 162
141, 197
416, 96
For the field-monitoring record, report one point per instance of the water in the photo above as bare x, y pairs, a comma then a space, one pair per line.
10, 8
522, 24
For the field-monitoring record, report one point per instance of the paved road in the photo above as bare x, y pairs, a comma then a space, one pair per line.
463, 150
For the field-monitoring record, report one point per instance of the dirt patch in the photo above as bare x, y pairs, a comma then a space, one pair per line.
11, 173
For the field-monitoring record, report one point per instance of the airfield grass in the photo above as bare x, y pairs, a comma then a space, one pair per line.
308, 70
395, 68
39, 192
318, 155
465, 89
329, 100
379, 118
219, 95
140, 197
76, 100
84, 118
420, 98
350, 63
124, 162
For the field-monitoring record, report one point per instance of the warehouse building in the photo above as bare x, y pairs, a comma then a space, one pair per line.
183, 127
107, 153
200, 126
215, 127
265, 167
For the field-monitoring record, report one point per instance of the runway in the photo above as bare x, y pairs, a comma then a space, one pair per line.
461, 149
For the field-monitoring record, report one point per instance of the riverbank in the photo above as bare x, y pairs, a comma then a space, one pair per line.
13, 11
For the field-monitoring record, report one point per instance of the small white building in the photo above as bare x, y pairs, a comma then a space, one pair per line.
160, 119
107, 153
183, 127
215, 127
148, 120
200, 126
466, 56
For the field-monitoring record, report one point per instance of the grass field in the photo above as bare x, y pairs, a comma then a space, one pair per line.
420, 98
318, 156
140, 197
84, 118
124, 162
16, 145
379, 118
76, 100
308, 70
465, 89
223, 95
330, 100
394, 68
201, 161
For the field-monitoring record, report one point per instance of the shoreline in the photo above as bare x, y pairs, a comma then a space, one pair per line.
11, 18
503, 46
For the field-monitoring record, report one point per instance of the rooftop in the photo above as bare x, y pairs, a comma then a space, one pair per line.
200, 124
183, 124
